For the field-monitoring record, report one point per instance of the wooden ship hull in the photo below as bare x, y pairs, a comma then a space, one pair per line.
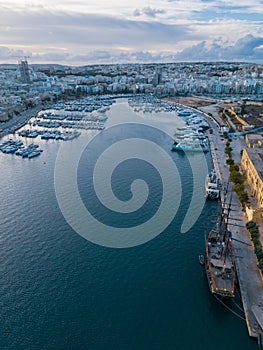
219, 259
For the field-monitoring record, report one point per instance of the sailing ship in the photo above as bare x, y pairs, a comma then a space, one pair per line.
212, 186
219, 257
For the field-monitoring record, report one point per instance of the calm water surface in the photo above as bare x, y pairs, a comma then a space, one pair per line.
60, 291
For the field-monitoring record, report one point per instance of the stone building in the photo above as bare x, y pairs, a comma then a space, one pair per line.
252, 166
254, 140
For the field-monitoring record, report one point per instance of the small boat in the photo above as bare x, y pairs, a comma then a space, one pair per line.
33, 154
201, 260
185, 113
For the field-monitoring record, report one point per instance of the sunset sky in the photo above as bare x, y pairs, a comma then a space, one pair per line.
86, 32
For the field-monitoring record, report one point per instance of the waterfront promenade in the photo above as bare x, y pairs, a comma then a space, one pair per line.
249, 276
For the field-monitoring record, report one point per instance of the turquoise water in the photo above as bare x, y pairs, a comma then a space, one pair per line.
60, 291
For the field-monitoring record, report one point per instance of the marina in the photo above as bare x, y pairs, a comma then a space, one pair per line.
61, 122
118, 279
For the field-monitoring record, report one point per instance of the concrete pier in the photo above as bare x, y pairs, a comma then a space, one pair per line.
249, 276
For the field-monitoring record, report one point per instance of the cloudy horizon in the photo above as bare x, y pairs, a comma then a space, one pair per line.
141, 32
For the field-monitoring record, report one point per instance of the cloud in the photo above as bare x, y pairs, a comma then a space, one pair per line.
79, 31
102, 57
148, 11
247, 48
7, 53
163, 31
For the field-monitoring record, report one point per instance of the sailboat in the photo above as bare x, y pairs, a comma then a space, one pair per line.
219, 257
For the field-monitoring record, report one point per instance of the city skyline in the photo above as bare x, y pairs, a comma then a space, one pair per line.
139, 32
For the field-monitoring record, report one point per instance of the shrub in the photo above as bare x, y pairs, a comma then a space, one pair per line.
228, 151
250, 224
239, 187
236, 177
260, 255
230, 161
254, 235
253, 229
257, 248
242, 196
234, 167
260, 264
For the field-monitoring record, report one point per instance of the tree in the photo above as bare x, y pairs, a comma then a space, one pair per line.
260, 264
260, 256
257, 248
230, 161
239, 187
234, 167
250, 224
236, 177
243, 196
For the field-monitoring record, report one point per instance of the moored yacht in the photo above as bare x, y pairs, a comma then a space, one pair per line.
212, 186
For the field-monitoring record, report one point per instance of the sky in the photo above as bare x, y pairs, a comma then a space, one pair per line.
117, 31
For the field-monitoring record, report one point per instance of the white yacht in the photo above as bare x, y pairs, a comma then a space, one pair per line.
212, 186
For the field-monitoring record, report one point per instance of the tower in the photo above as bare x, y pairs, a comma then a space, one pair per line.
24, 71
157, 77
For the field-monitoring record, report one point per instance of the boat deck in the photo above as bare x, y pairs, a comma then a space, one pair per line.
220, 265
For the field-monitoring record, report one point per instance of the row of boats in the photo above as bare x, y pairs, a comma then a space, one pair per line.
18, 148
149, 104
87, 104
86, 125
191, 137
48, 134
92, 117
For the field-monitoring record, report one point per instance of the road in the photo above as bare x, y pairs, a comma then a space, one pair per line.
16, 122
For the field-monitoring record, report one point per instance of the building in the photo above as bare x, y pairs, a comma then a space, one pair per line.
24, 72
252, 166
157, 79
254, 140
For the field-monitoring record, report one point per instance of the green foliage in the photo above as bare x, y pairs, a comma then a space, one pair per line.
254, 233
236, 177
250, 224
257, 248
260, 264
243, 196
253, 229
254, 236
234, 167
228, 150
230, 161
260, 255
239, 187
